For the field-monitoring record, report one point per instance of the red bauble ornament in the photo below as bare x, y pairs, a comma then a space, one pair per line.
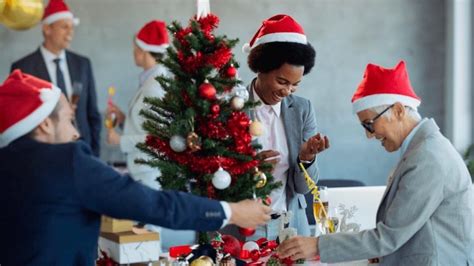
231, 71
207, 91
265, 252
246, 231
215, 109
255, 255
231, 245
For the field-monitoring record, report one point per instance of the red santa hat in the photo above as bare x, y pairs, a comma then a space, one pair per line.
153, 37
384, 86
25, 101
56, 10
279, 28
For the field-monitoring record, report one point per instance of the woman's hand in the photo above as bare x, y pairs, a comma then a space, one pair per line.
313, 146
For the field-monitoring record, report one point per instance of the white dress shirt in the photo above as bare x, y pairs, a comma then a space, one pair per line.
48, 58
274, 138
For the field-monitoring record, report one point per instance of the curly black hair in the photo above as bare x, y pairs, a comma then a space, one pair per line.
270, 56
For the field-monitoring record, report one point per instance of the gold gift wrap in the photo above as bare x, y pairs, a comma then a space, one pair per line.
130, 237
111, 225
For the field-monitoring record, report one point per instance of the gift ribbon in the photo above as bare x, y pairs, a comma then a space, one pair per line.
313, 188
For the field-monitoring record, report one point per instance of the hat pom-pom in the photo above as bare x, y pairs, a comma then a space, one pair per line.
246, 48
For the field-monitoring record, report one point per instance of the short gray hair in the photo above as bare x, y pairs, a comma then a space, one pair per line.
411, 112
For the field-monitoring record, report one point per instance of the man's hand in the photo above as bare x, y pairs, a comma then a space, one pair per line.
299, 247
112, 108
269, 156
113, 138
313, 146
249, 213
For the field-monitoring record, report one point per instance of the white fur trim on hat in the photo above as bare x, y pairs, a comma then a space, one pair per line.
281, 37
61, 15
383, 99
50, 98
151, 48
246, 48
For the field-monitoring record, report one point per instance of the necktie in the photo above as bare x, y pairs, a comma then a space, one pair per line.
59, 77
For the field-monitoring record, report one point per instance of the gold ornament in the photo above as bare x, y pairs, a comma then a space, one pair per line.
203, 261
2, 5
256, 128
192, 141
21, 14
262, 179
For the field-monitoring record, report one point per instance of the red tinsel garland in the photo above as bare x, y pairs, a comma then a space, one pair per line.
213, 129
180, 36
201, 165
209, 22
219, 57
190, 63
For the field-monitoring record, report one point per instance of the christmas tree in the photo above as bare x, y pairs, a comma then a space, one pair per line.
200, 135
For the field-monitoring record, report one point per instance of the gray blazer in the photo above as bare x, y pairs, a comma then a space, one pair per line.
426, 214
300, 124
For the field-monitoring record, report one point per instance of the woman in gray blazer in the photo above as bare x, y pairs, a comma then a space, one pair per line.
280, 55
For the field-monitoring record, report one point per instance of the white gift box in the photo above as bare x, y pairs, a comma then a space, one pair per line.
128, 247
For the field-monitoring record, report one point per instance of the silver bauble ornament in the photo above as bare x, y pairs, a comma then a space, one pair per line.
241, 92
221, 179
178, 143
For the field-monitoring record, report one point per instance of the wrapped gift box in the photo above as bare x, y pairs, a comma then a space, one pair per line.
111, 225
129, 247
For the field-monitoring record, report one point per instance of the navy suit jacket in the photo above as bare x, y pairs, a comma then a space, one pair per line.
88, 118
52, 196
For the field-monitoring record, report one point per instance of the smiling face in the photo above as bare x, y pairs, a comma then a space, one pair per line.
58, 35
275, 85
390, 132
65, 123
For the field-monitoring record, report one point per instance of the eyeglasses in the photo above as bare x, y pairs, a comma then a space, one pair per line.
369, 125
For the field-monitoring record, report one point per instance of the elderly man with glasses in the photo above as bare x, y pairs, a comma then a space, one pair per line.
426, 214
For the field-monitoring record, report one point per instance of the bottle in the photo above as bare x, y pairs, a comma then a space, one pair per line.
111, 119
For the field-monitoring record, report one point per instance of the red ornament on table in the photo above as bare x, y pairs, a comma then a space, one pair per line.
231, 245
207, 91
255, 255
246, 231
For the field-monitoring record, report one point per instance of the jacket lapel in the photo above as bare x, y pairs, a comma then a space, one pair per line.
40, 66
74, 73
428, 127
292, 129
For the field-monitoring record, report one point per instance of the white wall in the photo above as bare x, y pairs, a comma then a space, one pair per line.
347, 34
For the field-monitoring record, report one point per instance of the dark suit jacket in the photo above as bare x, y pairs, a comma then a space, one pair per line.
52, 197
88, 118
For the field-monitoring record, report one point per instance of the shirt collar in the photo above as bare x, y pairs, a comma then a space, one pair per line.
276, 107
49, 56
156, 70
410, 136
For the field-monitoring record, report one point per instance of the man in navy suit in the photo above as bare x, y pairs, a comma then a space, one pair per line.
54, 190
71, 72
